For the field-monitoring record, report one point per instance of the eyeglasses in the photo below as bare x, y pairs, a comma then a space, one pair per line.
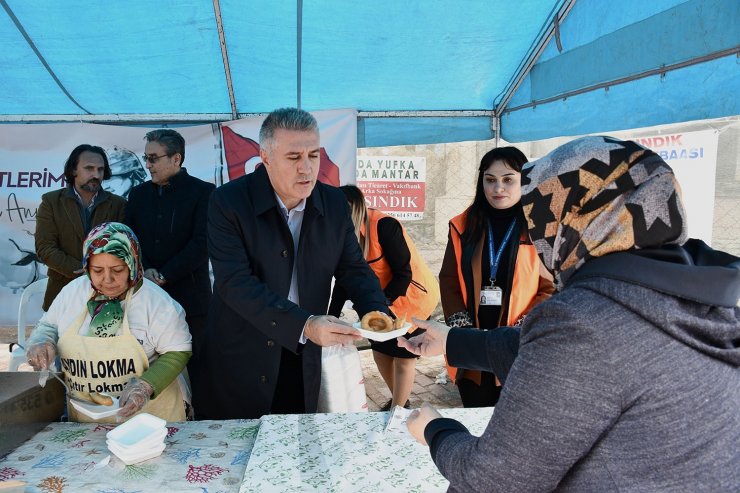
153, 159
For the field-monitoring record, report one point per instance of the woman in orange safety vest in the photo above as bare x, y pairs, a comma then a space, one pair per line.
490, 275
408, 284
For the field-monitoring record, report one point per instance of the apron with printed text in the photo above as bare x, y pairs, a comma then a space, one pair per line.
106, 364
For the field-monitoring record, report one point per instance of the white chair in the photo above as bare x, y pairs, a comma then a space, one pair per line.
18, 354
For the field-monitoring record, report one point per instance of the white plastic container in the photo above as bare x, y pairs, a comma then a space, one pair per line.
138, 439
136, 457
155, 439
140, 428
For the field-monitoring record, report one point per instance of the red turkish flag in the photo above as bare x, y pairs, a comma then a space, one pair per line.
239, 149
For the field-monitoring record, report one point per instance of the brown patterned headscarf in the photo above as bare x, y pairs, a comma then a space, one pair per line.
598, 195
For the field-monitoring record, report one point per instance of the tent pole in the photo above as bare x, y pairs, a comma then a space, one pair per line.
422, 113
220, 117
299, 50
552, 28
124, 118
497, 129
225, 58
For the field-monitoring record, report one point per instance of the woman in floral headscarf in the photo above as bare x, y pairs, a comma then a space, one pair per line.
627, 379
116, 333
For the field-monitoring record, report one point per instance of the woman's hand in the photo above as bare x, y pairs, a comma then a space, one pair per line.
135, 396
41, 356
419, 419
431, 343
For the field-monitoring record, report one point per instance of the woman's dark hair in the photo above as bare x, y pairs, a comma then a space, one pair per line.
71, 165
476, 221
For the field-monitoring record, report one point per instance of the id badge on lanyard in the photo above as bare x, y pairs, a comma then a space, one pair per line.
492, 295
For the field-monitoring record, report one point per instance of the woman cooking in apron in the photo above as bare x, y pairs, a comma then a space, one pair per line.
116, 332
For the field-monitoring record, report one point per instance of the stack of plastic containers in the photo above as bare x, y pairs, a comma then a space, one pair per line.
138, 439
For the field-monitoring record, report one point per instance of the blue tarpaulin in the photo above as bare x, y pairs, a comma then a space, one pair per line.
417, 71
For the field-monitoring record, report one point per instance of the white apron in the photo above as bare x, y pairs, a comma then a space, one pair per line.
106, 364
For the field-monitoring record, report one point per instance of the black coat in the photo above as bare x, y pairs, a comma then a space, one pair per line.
171, 228
250, 318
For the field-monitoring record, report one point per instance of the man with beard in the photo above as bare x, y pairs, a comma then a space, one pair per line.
65, 216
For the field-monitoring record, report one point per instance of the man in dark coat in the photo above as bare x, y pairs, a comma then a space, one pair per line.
168, 215
65, 216
276, 238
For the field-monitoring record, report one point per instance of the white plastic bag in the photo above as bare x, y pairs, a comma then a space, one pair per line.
342, 382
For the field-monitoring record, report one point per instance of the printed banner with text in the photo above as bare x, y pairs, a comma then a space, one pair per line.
32, 161
395, 185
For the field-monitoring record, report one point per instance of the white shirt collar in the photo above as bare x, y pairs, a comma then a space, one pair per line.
298, 208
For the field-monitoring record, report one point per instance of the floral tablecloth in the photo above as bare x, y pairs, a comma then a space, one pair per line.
345, 453
202, 456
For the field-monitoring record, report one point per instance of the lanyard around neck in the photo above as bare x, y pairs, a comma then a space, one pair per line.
494, 257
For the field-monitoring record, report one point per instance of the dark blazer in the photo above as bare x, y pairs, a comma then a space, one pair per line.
171, 228
251, 319
59, 234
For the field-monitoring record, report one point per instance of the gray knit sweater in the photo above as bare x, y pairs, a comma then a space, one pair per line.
627, 380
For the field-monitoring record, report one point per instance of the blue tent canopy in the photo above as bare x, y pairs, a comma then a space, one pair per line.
417, 72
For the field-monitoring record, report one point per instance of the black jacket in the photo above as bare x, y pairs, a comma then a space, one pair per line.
171, 228
251, 320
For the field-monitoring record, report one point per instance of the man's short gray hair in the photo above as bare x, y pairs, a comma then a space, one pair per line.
286, 119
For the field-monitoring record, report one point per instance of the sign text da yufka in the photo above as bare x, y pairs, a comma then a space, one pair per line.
393, 184
378, 168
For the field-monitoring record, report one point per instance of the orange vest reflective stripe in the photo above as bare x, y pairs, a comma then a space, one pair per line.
524, 287
422, 295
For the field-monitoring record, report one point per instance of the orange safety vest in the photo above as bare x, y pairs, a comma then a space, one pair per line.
422, 295
524, 287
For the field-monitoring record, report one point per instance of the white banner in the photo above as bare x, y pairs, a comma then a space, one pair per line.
32, 161
693, 157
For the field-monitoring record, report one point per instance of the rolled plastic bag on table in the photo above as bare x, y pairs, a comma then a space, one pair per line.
342, 382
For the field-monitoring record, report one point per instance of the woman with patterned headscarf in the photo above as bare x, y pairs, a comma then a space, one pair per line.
116, 333
627, 379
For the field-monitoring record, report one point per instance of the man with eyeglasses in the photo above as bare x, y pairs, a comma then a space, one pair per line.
168, 215
65, 216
